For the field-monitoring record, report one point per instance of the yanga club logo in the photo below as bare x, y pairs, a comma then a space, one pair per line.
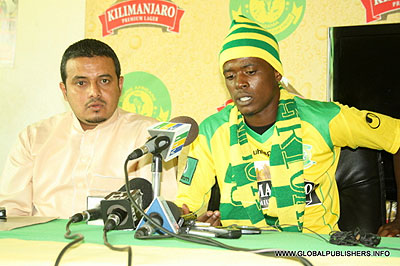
145, 94
280, 17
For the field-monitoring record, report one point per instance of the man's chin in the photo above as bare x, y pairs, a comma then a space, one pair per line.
245, 112
95, 121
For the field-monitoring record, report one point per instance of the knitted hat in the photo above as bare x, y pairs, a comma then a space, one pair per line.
248, 39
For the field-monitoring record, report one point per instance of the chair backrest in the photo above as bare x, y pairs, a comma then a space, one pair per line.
361, 186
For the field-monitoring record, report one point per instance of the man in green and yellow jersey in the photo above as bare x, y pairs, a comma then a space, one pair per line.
274, 154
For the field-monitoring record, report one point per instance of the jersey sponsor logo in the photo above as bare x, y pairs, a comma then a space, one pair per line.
262, 170
188, 172
373, 120
311, 196
307, 155
264, 192
265, 189
258, 151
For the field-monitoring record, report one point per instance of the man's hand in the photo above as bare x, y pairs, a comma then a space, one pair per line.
393, 228
390, 229
211, 217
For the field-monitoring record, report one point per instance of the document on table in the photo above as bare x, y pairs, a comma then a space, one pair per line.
21, 221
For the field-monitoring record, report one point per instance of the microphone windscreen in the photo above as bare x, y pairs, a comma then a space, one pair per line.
145, 187
176, 212
194, 127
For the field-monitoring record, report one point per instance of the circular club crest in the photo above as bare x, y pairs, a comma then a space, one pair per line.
280, 17
145, 94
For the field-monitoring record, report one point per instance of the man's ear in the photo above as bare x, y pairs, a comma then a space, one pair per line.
121, 83
278, 76
64, 90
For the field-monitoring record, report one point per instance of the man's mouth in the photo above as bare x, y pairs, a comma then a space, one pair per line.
244, 99
95, 106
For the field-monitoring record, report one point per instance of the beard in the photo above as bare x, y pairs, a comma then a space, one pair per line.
96, 120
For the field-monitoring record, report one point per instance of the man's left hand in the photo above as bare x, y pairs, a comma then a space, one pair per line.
391, 229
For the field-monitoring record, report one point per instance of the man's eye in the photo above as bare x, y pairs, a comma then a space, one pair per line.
105, 81
251, 72
80, 83
229, 77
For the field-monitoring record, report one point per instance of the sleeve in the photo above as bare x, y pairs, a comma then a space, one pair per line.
16, 179
355, 128
198, 177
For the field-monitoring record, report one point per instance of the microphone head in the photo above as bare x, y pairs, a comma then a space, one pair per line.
144, 186
176, 132
194, 127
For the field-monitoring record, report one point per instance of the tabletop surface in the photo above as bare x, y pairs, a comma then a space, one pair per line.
32, 240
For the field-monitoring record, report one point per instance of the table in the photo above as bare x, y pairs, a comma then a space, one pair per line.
40, 245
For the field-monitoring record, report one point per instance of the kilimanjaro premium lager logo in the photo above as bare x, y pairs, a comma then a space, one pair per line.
145, 94
280, 17
375, 8
148, 12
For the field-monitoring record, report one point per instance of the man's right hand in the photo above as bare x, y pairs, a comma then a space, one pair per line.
211, 217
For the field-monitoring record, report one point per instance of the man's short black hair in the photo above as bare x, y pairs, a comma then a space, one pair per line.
88, 48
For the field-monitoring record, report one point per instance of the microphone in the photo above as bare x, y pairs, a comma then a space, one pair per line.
116, 209
88, 215
162, 212
168, 138
144, 186
114, 219
154, 145
231, 232
116, 203
148, 229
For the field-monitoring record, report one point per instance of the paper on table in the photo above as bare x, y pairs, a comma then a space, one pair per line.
21, 221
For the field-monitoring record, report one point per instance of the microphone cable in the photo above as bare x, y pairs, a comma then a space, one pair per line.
357, 237
112, 222
199, 239
77, 238
120, 249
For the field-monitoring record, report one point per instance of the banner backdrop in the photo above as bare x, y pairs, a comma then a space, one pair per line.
169, 49
376, 8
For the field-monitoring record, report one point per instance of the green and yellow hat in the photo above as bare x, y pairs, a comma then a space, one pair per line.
248, 39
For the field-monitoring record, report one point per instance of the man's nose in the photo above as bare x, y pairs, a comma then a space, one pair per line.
241, 81
95, 90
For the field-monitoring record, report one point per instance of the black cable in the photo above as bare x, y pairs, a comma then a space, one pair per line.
315, 233
195, 238
357, 237
122, 249
111, 224
353, 238
77, 238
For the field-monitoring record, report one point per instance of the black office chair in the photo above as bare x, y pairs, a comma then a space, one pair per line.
361, 186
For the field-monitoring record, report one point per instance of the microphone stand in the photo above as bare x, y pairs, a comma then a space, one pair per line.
156, 169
